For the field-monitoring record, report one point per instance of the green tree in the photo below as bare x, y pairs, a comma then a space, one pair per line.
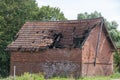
13, 14
47, 13
85, 15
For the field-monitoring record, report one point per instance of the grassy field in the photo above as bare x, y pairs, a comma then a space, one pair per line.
28, 76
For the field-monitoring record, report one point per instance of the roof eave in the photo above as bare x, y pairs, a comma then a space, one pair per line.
113, 44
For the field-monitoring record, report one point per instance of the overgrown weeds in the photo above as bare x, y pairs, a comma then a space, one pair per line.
28, 76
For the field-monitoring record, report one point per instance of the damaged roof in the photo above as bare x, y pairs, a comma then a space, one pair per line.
34, 36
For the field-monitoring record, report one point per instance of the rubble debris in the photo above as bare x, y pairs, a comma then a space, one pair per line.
56, 41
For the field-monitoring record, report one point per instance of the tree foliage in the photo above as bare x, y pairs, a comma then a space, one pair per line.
85, 15
13, 14
46, 13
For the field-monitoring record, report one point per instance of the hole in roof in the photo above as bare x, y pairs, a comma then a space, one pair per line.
19, 47
77, 42
43, 31
76, 35
51, 31
44, 37
33, 41
86, 31
37, 32
56, 41
74, 29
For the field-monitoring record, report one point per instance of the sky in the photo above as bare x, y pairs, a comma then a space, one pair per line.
110, 9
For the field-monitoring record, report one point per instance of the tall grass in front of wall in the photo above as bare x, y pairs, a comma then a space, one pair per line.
28, 76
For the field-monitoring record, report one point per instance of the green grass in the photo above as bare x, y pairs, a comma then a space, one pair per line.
115, 76
28, 76
85, 78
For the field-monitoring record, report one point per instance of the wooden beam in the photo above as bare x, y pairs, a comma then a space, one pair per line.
98, 42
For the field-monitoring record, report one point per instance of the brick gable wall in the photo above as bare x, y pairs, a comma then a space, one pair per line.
104, 61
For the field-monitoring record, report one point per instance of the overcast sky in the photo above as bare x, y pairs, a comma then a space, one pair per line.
110, 9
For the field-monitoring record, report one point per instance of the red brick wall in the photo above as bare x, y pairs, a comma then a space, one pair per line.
50, 62
104, 61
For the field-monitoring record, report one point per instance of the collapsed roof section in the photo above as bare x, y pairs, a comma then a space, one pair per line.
35, 36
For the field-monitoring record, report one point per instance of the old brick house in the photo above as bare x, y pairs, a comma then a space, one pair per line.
64, 48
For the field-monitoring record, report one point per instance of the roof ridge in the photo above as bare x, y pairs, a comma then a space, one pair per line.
99, 18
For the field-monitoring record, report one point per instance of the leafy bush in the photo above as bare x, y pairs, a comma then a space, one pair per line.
9, 78
116, 76
96, 78
28, 76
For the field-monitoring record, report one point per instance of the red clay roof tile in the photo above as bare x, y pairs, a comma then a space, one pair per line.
35, 35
